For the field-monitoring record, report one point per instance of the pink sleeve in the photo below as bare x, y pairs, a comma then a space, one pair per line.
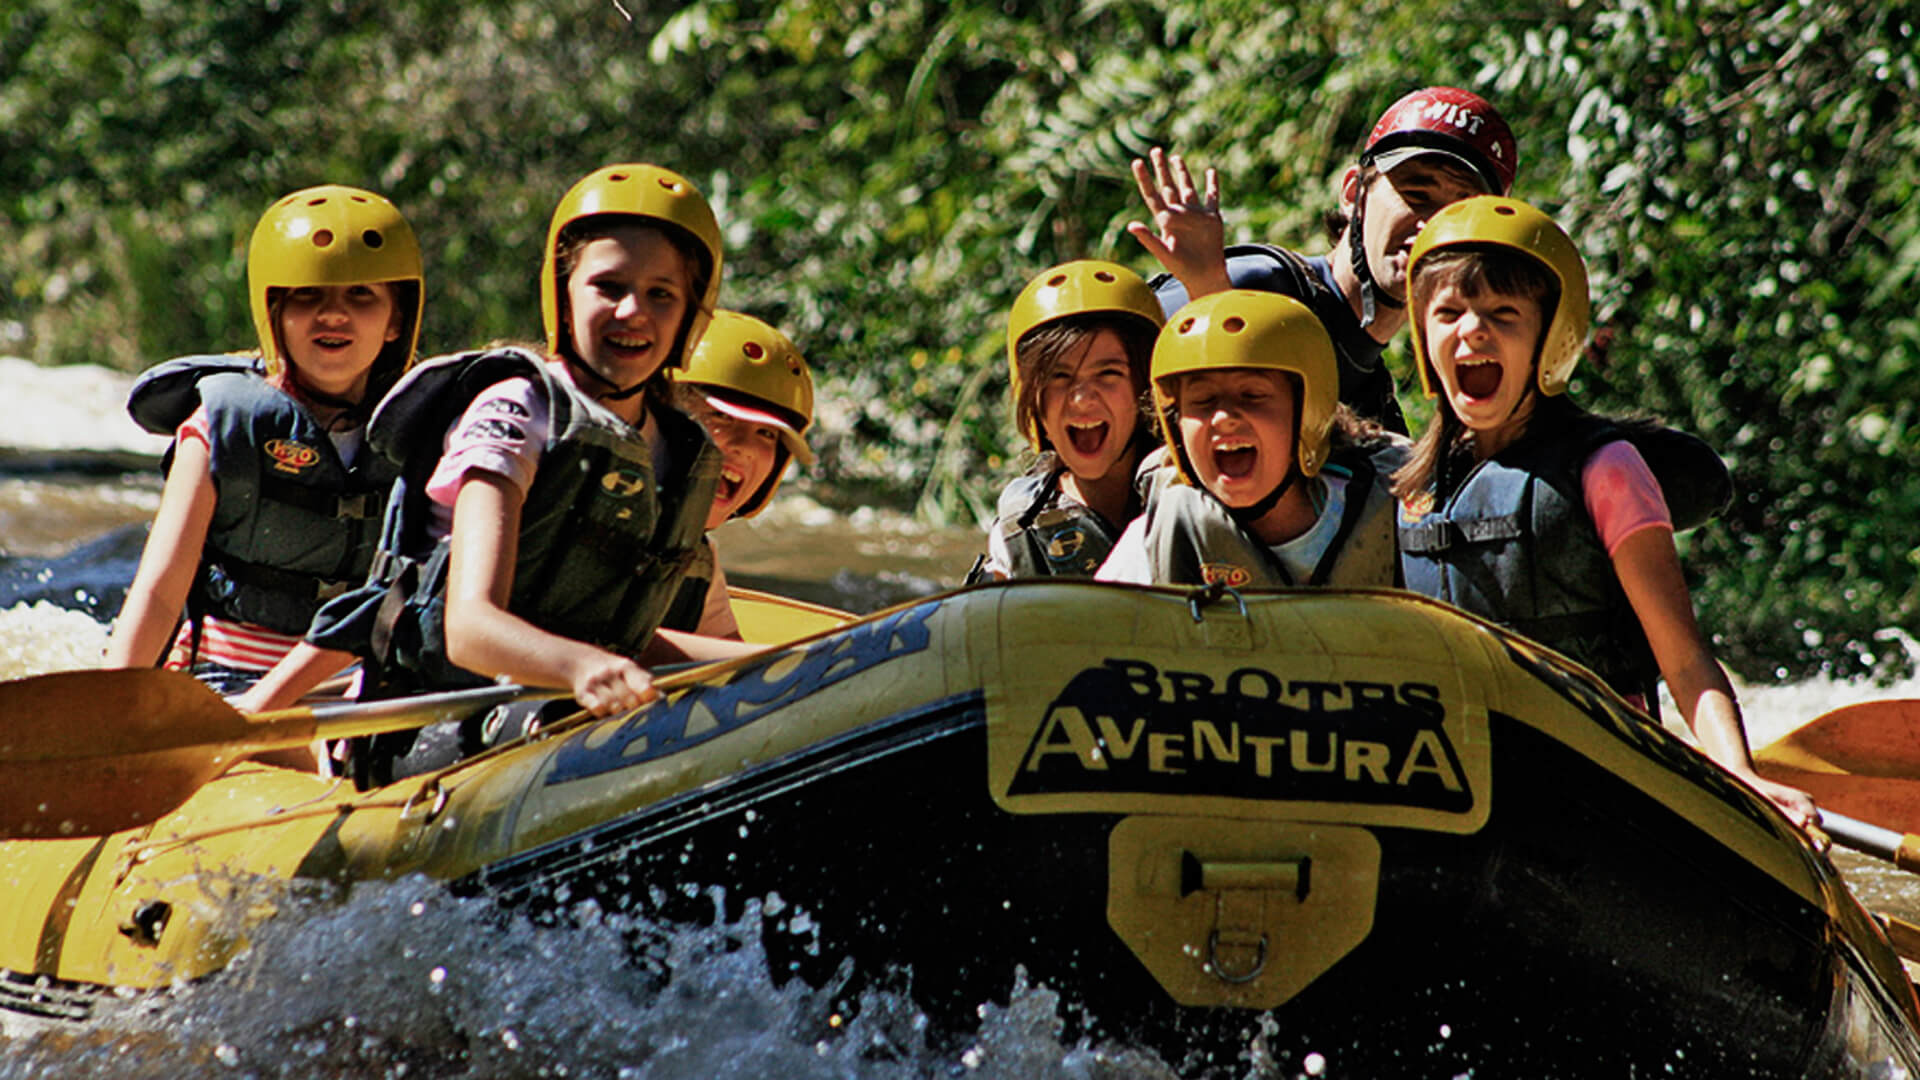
501, 432
1622, 495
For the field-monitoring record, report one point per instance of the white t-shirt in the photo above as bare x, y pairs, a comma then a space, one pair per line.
1130, 563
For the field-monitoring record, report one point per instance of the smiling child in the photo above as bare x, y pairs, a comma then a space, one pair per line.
1525, 509
1271, 481
1079, 339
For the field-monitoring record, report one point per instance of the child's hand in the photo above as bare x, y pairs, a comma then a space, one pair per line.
1191, 241
607, 685
1796, 804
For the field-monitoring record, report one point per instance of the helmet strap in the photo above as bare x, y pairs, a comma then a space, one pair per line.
616, 392
1372, 297
1245, 516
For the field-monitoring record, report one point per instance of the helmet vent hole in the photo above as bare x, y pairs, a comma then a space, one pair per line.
670, 185
358, 198
1186, 326
317, 201
616, 177
373, 239
1233, 324
1507, 210
323, 238
1103, 276
1056, 281
754, 351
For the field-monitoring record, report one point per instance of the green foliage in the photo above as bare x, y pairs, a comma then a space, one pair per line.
1741, 175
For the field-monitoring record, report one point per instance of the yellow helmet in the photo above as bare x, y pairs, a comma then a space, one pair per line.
1082, 287
332, 235
769, 384
641, 191
1244, 328
1498, 221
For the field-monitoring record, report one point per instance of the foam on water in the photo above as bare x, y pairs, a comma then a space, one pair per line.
40, 637
403, 979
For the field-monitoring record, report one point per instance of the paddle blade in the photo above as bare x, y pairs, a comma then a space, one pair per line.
1862, 760
91, 752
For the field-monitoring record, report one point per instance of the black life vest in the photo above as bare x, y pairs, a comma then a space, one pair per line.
603, 543
293, 525
1514, 543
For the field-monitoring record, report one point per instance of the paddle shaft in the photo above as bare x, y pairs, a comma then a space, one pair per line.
1900, 849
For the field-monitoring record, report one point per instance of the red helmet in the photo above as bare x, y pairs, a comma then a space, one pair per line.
1450, 122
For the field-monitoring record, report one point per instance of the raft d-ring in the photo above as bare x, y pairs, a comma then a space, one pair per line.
1219, 969
427, 803
1211, 593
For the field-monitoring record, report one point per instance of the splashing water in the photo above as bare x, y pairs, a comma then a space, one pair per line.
404, 979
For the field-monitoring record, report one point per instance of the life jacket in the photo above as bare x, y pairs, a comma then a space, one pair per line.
1049, 535
690, 601
1514, 542
292, 525
1365, 383
603, 543
1192, 540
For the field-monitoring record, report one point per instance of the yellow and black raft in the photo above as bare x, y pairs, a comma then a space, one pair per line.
1354, 824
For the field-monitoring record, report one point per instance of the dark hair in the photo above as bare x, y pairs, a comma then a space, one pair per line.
1042, 350
1474, 269
578, 234
388, 365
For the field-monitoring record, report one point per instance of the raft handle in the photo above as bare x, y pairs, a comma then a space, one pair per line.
1211, 594
432, 796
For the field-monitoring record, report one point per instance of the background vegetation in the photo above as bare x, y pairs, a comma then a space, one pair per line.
1741, 175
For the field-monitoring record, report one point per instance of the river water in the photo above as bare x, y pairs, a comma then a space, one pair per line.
402, 979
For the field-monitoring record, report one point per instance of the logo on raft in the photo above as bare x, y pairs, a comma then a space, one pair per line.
706, 712
1126, 727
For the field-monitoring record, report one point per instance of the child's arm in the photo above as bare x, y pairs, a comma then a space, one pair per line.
1191, 242
484, 637
158, 593
1649, 571
303, 668
716, 638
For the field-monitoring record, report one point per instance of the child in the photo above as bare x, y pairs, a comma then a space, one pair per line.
751, 389
550, 503
1078, 343
1272, 480
271, 502
1429, 148
1520, 506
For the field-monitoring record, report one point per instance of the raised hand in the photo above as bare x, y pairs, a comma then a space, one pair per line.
1187, 234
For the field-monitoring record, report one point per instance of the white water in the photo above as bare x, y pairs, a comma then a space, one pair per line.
403, 980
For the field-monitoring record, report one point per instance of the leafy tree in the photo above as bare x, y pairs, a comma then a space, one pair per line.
1740, 174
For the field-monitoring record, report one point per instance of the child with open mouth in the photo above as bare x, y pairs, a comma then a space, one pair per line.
1522, 507
1079, 339
1268, 479
749, 386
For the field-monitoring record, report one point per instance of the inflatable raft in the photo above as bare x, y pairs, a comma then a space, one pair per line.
1360, 827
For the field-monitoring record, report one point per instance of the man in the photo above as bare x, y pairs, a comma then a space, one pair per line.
1432, 147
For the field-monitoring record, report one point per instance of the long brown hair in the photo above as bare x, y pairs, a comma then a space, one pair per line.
1474, 269
1044, 349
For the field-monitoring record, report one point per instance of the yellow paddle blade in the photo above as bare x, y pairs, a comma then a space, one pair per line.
89, 752
1862, 760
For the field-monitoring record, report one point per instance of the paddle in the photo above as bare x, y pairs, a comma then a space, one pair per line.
1900, 849
91, 752
1861, 759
